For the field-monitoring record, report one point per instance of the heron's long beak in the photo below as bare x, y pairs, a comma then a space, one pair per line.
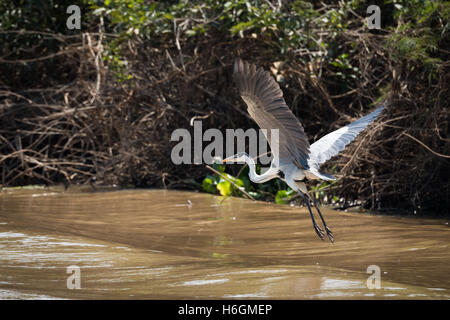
229, 159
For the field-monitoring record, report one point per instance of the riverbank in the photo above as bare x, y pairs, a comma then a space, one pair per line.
98, 105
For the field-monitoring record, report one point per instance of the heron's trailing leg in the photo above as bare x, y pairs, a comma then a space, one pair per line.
318, 229
329, 233
303, 191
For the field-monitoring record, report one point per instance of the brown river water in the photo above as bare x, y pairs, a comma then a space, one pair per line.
157, 244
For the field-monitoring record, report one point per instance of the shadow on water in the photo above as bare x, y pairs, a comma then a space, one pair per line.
173, 244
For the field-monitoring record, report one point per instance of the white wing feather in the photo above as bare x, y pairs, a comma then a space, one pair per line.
336, 141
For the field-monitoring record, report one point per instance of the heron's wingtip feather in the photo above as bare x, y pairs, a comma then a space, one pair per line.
266, 105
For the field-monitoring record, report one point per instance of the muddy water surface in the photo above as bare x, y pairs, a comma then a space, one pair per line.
156, 244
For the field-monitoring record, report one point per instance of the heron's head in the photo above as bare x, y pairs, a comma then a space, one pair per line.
239, 157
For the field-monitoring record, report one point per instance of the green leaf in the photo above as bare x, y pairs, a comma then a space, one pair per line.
219, 167
242, 26
283, 196
168, 16
209, 185
190, 33
236, 181
225, 188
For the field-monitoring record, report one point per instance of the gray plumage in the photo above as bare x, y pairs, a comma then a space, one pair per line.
267, 107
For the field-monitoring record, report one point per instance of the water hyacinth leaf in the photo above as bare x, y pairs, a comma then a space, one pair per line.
219, 167
283, 196
225, 188
235, 180
209, 184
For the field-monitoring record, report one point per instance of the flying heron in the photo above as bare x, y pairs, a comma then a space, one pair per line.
295, 160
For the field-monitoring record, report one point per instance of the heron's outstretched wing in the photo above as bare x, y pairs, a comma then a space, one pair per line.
267, 107
334, 142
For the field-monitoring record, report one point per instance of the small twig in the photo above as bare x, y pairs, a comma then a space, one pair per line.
200, 117
239, 188
50, 56
271, 5
426, 147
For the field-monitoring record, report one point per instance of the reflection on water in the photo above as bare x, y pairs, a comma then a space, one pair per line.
168, 244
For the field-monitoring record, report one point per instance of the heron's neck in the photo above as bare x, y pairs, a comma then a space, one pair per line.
259, 178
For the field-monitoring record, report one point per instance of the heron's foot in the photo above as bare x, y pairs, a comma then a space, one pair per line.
319, 232
329, 234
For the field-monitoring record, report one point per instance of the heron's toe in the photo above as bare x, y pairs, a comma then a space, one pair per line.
319, 232
329, 234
